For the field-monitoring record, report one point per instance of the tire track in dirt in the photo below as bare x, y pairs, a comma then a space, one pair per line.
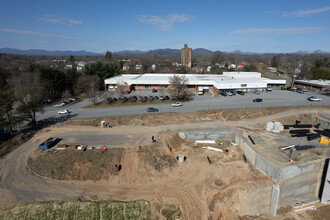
251, 179
189, 204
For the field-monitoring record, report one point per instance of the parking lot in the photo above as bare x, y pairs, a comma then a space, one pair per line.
274, 98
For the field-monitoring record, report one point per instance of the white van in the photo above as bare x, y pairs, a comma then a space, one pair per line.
200, 91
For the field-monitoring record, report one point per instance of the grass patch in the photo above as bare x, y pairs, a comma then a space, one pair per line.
170, 211
74, 209
156, 157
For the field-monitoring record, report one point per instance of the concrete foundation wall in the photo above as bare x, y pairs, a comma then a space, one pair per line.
257, 160
274, 200
324, 122
208, 134
325, 185
259, 200
299, 183
256, 202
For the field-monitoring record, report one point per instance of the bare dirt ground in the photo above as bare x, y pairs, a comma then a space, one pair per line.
149, 172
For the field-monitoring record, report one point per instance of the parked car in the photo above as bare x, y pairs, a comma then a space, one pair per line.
240, 92
156, 97
65, 111
152, 109
177, 104
109, 100
314, 99
72, 99
48, 101
224, 94
114, 99
151, 98
59, 104
256, 92
269, 89
300, 91
161, 97
154, 90
257, 100
229, 93
166, 97
305, 90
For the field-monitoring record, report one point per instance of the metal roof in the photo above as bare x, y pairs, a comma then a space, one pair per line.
229, 80
318, 83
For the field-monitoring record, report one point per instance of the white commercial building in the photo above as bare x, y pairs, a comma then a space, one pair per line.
239, 81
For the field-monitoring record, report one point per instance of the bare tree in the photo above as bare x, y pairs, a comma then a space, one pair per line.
66, 94
28, 97
178, 87
85, 82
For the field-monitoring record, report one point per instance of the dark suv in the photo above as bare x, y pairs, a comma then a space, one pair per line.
257, 100
152, 109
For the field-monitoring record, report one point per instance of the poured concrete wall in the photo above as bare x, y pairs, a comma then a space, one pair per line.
299, 183
274, 200
325, 185
258, 160
220, 133
257, 201
324, 122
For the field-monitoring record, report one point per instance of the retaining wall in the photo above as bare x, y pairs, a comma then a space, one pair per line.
324, 122
299, 182
218, 133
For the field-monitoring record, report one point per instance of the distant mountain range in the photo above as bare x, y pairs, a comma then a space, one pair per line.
37, 52
164, 52
159, 52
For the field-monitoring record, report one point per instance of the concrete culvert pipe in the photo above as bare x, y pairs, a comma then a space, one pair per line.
181, 158
118, 167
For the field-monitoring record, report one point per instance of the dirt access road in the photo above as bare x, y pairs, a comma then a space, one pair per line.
179, 186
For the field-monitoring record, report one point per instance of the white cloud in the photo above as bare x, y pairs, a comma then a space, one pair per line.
38, 34
306, 12
59, 20
164, 23
279, 31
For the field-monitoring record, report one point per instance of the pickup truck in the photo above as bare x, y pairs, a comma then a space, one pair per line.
48, 143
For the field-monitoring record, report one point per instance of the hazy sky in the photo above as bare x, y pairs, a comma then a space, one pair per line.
97, 26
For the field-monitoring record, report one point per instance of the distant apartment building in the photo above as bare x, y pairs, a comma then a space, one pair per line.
186, 56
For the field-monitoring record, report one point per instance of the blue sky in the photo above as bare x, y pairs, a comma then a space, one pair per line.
97, 26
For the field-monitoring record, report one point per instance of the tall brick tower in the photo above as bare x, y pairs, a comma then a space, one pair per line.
186, 56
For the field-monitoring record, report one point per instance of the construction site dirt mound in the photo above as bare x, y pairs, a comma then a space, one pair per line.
76, 165
171, 140
72, 164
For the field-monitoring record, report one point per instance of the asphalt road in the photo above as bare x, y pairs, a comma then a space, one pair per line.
205, 102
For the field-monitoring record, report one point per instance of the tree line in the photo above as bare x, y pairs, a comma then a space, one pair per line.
22, 92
